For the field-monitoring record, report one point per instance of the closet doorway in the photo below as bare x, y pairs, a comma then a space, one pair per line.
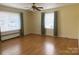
49, 24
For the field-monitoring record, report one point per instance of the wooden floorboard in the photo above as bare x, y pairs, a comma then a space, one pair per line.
39, 45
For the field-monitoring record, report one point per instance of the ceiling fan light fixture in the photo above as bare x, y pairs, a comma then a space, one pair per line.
33, 10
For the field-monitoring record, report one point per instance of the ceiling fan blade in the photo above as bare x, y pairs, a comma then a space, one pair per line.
34, 7
37, 9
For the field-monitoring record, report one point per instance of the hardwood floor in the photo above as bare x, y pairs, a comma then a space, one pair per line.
39, 45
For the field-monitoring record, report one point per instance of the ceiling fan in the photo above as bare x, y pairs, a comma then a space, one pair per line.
34, 7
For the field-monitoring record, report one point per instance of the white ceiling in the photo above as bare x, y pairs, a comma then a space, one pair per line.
27, 6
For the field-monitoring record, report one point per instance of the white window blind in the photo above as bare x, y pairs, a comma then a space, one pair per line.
49, 20
9, 21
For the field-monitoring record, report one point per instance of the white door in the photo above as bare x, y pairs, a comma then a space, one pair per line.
49, 23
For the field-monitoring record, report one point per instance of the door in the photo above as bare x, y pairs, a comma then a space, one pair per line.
49, 24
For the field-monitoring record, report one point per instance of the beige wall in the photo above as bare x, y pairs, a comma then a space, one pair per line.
26, 22
68, 18
68, 21
34, 22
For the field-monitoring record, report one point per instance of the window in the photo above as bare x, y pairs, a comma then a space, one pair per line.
49, 20
9, 21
